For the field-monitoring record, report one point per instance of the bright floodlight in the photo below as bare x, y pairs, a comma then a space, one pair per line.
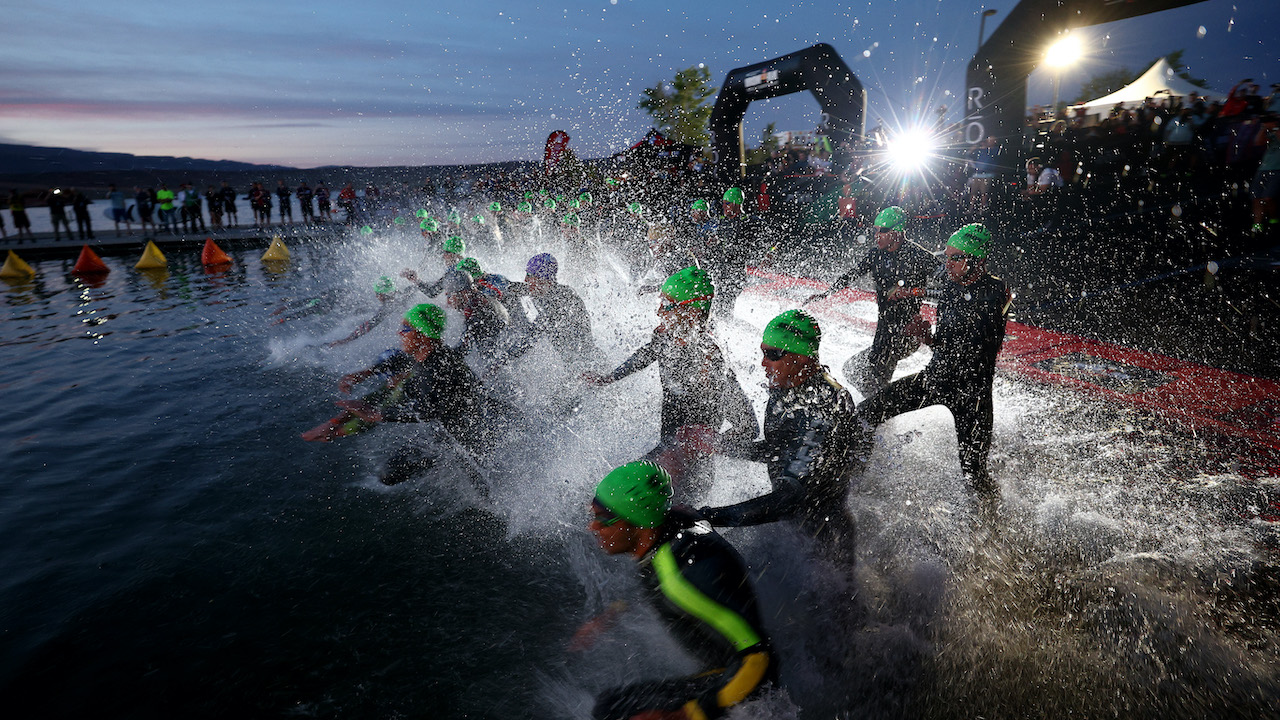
909, 150
1063, 52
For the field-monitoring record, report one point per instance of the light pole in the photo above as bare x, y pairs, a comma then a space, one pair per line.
982, 25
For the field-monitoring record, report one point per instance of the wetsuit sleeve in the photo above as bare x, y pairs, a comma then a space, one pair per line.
810, 431
640, 359
750, 666
862, 268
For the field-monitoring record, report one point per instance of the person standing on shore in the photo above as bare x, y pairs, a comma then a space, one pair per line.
58, 213
229, 204
213, 199
323, 204
283, 194
21, 222
305, 203
164, 197
119, 210
145, 202
80, 206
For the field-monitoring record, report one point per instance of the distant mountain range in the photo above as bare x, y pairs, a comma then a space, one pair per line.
32, 160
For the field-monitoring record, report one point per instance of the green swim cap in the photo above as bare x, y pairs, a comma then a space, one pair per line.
470, 266
891, 218
525, 206
585, 197
453, 245
543, 191
549, 204
572, 219
733, 195
384, 286
455, 218
495, 207
638, 492
479, 219
528, 194
423, 213
972, 239
427, 319
700, 204
690, 286
366, 230
635, 208
575, 204
430, 225
398, 220
794, 331
610, 181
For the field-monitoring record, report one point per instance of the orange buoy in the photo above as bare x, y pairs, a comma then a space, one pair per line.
16, 267
89, 263
213, 255
152, 258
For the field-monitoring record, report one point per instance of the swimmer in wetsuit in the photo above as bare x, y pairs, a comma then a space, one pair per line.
894, 262
699, 391
807, 445
973, 307
700, 586
428, 381
386, 292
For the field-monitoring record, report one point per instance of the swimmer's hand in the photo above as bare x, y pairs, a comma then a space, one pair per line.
899, 293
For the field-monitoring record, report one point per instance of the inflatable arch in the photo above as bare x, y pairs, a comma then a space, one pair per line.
817, 69
996, 80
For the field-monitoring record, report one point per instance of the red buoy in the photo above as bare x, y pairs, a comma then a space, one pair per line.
213, 255
89, 263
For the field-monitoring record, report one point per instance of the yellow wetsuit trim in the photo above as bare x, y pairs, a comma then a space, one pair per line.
749, 676
687, 597
694, 711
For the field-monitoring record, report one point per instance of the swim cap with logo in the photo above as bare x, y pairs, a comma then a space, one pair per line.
638, 492
794, 331
733, 195
972, 239
635, 208
495, 207
699, 204
429, 224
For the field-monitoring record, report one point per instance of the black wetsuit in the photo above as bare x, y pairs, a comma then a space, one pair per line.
486, 319
741, 242
909, 266
967, 339
697, 386
443, 388
807, 447
700, 585
562, 319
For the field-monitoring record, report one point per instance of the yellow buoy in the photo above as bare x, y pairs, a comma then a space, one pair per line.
277, 251
152, 258
16, 267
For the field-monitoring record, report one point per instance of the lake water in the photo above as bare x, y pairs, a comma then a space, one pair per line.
172, 548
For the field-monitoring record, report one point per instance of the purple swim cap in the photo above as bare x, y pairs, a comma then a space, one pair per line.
542, 266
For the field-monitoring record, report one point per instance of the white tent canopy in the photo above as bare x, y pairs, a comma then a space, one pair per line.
1159, 81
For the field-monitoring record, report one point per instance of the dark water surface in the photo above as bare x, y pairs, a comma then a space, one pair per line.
171, 548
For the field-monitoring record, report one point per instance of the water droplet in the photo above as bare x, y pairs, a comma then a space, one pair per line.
1201, 32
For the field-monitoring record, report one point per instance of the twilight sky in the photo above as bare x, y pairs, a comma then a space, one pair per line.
394, 82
